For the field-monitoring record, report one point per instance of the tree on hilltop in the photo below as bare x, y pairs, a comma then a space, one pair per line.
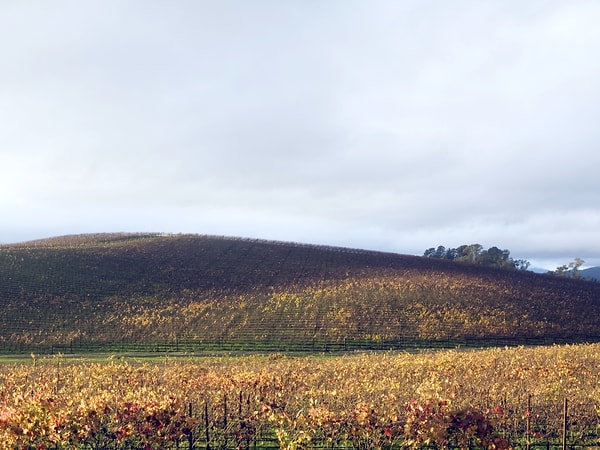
476, 254
569, 270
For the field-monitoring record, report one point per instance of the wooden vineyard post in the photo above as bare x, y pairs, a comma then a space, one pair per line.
57, 386
206, 425
528, 423
191, 434
565, 416
225, 419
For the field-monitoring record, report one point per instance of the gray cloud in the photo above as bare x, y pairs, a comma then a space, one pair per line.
395, 126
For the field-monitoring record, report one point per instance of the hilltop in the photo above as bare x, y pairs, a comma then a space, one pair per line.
194, 292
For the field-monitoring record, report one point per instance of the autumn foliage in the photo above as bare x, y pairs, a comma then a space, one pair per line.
195, 293
487, 399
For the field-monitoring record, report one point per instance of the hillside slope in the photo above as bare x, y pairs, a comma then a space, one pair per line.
194, 292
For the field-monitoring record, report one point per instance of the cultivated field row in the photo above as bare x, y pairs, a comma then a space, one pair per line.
111, 292
489, 398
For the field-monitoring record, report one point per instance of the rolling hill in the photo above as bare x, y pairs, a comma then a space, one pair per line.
112, 292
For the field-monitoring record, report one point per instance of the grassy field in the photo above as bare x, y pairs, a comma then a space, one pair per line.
189, 293
495, 398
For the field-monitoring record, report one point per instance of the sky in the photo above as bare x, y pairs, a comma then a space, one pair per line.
392, 125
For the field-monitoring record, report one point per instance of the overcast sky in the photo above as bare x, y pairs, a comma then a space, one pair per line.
392, 125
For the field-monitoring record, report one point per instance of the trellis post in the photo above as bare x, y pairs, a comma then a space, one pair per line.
565, 417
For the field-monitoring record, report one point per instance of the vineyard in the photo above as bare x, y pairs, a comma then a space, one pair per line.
496, 398
189, 293
224, 316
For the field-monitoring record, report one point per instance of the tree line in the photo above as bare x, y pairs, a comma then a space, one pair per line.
476, 254
569, 270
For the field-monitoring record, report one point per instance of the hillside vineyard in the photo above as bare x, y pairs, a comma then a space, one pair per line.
193, 293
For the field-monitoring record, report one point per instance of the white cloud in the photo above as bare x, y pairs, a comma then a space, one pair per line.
397, 126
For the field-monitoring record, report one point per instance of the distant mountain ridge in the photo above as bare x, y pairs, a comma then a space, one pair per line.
145, 291
592, 273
